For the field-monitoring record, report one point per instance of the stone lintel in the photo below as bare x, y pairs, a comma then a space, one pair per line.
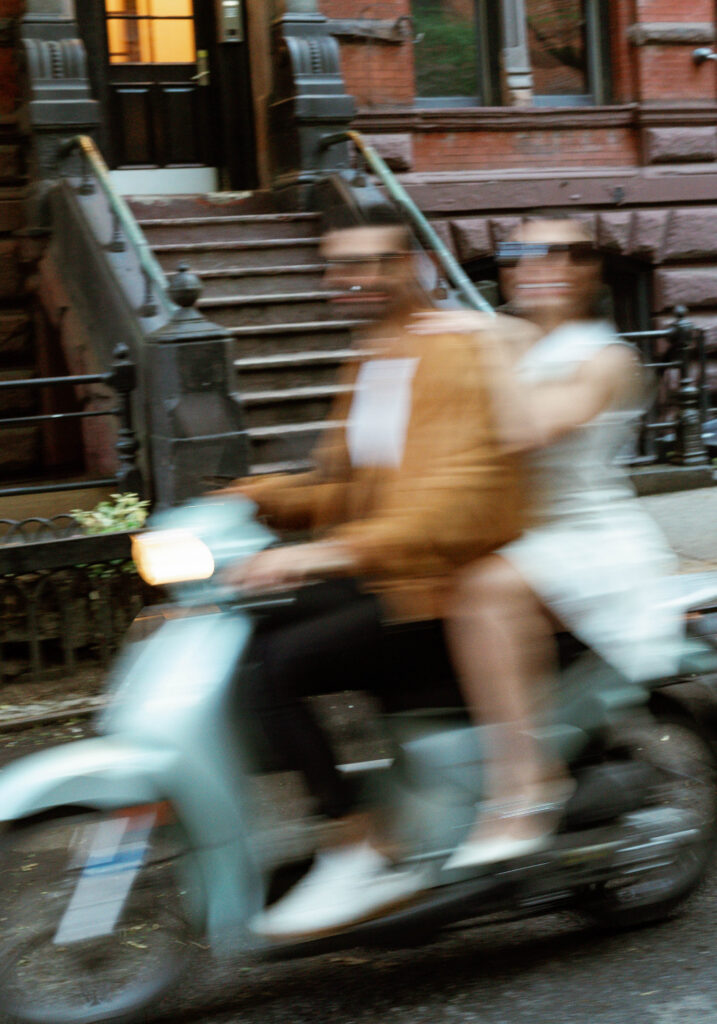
691, 234
473, 237
686, 286
671, 33
396, 31
680, 145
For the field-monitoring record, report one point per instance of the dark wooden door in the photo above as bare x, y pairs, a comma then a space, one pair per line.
159, 90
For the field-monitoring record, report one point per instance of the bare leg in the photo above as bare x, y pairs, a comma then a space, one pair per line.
501, 640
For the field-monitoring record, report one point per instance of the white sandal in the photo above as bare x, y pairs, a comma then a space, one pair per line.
479, 852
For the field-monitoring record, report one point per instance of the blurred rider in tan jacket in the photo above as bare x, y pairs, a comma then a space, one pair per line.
411, 483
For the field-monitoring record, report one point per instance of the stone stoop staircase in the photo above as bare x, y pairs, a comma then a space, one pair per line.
20, 446
262, 279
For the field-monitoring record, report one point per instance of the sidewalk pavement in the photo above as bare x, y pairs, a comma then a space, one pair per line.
689, 521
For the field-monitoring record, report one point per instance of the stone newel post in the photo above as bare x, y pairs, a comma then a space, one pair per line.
195, 422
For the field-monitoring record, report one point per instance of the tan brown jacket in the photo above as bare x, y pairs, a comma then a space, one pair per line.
455, 497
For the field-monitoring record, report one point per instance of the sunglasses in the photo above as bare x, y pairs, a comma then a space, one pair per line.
509, 254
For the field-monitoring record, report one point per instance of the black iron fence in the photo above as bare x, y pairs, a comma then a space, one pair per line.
122, 378
672, 428
64, 598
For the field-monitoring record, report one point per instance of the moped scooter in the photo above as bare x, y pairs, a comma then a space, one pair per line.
120, 852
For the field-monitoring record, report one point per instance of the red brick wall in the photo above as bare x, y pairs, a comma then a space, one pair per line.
673, 10
375, 73
621, 52
669, 73
495, 150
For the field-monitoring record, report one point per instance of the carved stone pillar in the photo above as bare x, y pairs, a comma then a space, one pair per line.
515, 61
309, 98
58, 101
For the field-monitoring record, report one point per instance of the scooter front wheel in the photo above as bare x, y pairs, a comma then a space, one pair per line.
92, 926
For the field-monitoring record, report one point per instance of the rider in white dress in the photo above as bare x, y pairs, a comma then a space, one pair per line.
591, 559
592, 554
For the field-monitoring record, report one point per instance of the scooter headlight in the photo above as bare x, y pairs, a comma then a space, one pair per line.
171, 556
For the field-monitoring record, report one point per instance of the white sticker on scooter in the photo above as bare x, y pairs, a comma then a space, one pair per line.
117, 852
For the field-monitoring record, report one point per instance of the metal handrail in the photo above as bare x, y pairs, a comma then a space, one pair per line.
450, 266
122, 212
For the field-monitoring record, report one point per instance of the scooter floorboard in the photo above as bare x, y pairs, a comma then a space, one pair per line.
541, 882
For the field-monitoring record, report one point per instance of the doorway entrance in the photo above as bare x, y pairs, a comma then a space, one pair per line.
159, 94
173, 78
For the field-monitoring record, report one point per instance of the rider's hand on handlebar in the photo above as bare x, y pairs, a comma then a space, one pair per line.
284, 567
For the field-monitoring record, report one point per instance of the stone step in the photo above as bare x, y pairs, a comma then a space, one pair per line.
20, 450
269, 252
276, 339
15, 335
212, 204
10, 277
17, 401
261, 280
12, 164
12, 208
254, 310
309, 404
258, 227
293, 369
285, 442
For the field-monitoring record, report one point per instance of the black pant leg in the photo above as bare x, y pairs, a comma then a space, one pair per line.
330, 640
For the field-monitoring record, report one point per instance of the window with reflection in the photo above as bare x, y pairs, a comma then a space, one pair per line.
150, 31
458, 44
445, 48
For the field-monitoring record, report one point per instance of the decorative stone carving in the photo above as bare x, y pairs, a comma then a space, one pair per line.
58, 101
310, 100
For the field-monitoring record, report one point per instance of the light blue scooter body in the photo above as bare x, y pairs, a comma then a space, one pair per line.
169, 735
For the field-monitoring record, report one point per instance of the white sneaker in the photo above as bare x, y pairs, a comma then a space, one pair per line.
343, 887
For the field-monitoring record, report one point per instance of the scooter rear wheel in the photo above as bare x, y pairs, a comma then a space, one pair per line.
93, 927
685, 761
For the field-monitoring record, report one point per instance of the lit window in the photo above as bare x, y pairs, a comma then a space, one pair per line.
150, 31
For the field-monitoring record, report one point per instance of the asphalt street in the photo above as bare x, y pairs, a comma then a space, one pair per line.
551, 970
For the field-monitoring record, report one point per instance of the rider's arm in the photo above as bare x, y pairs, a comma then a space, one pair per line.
554, 409
290, 501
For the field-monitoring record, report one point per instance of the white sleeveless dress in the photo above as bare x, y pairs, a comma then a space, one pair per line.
592, 554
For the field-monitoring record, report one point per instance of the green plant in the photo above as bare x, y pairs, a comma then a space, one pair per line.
119, 512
